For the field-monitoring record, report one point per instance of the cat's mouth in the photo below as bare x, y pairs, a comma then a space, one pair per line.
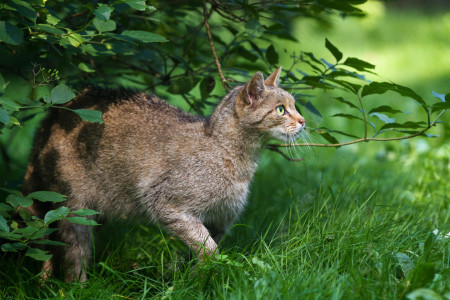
298, 131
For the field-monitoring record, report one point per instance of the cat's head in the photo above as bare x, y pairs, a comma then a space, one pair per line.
264, 107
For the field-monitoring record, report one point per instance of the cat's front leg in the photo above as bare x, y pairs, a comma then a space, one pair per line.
216, 233
191, 231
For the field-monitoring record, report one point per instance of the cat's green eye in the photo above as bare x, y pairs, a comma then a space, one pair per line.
281, 110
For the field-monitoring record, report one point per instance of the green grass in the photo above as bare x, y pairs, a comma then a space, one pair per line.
352, 223
334, 227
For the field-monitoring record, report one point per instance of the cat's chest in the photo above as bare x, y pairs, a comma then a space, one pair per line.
224, 204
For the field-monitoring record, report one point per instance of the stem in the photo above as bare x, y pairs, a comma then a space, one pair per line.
213, 49
363, 111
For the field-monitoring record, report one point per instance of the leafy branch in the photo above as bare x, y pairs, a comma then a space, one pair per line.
332, 76
274, 147
26, 233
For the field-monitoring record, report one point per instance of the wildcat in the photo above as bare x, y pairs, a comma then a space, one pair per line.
149, 159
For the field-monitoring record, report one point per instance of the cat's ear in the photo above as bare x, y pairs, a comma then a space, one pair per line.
254, 88
274, 78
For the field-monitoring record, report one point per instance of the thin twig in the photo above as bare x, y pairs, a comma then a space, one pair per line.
363, 111
211, 44
221, 7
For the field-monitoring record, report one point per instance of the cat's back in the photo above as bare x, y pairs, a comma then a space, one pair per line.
66, 146
120, 105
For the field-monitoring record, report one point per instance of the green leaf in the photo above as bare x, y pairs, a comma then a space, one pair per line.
38, 254
244, 53
9, 104
382, 87
10, 236
89, 115
4, 116
17, 201
137, 4
103, 12
254, 28
344, 6
347, 116
48, 242
86, 68
144, 36
409, 124
13, 120
313, 109
272, 55
13, 247
103, 26
85, 212
335, 51
385, 109
206, 86
47, 196
4, 208
183, 85
405, 262
3, 84
316, 81
52, 20
24, 9
34, 233
56, 214
383, 117
422, 275
10, 34
96, 50
82, 221
3, 225
350, 86
342, 100
60, 94
423, 294
428, 246
49, 29
261, 264
358, 64
311, 56
440, 106
24, 214
31, 232
331, 139
75, 39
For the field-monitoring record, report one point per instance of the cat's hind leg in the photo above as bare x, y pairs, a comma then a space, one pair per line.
77, 253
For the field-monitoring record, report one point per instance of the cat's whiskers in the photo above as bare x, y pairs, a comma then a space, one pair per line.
295, 84
288, 142
307, 138
295, 148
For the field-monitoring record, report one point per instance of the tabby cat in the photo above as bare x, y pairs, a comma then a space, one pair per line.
149, 159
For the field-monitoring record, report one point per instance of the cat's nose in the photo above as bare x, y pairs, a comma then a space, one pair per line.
301, 120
